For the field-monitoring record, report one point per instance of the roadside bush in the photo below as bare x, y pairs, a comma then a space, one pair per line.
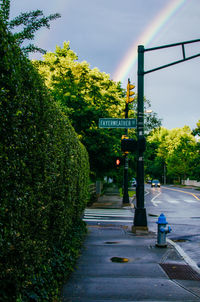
43, 183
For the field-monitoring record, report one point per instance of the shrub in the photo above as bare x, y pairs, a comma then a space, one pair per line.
43, 183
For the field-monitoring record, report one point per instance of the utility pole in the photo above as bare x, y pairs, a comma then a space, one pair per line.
164, 173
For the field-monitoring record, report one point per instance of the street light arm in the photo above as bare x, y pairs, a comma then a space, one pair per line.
170, 64
182, 44
171, 45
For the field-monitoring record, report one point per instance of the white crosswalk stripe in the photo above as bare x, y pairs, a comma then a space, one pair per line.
108, 215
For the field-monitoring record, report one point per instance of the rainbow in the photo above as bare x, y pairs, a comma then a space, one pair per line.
130, 58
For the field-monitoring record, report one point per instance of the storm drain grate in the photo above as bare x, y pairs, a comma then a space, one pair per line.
180, 271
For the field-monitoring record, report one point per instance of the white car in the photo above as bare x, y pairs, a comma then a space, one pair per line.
133, 182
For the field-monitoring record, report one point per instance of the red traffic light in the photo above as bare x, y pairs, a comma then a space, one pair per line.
118, 162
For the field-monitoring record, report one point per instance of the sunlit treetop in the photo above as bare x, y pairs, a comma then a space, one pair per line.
30, 23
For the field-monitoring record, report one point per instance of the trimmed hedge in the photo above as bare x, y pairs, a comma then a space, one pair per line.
43, 183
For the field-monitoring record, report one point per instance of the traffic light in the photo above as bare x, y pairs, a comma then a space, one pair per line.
131, 145
129, 93
128, 145
118, 162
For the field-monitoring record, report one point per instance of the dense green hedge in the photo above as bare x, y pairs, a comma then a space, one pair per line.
43, 183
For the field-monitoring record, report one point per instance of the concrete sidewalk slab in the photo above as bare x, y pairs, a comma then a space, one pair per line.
97, 278
127, 289
139, 277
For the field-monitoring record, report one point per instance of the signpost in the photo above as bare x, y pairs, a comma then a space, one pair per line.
117, 123
121, 123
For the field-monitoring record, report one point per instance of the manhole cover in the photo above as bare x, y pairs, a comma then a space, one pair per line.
119, 259
180, 271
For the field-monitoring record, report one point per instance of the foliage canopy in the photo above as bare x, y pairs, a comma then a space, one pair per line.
43, 182
30, 22
175, 150
86, 95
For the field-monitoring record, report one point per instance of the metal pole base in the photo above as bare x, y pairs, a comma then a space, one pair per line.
126, 199
161, 245
140, 219
139, 230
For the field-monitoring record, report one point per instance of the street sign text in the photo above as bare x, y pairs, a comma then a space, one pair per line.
117, 123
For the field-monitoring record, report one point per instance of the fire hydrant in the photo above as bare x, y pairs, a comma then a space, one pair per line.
162, 231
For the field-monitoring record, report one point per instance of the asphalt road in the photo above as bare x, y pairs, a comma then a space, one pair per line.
182, 210
181, 207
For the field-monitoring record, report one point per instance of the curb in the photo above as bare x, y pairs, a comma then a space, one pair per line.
185, 257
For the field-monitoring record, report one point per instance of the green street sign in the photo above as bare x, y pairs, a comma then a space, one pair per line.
117, 123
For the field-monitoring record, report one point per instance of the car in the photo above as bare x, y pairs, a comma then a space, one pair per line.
133, 182
155, 183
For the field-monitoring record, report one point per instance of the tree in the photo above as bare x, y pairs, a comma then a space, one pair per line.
196, 131
156, 153
86, 95
179, 162
151, 119
171, 149
31, 22
195, 164
195, 174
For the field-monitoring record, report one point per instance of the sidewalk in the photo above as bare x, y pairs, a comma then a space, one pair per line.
116, 265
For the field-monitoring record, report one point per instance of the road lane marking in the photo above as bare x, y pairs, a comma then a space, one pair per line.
177, 190
155, 203
172, 201
119, 213
108, 215
99, 210
107, 220
190, 201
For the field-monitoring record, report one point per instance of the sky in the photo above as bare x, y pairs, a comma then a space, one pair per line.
106, 33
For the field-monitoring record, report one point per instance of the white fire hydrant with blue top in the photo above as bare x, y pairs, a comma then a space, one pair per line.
162, 231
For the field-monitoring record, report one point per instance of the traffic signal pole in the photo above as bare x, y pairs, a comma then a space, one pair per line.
140, 218
129, 99
125, 193
125, 184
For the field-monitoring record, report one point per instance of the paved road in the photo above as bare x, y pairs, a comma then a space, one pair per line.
182, 209
117, 265
180, 206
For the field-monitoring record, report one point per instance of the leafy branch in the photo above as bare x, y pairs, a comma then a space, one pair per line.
31, 23
4, 10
